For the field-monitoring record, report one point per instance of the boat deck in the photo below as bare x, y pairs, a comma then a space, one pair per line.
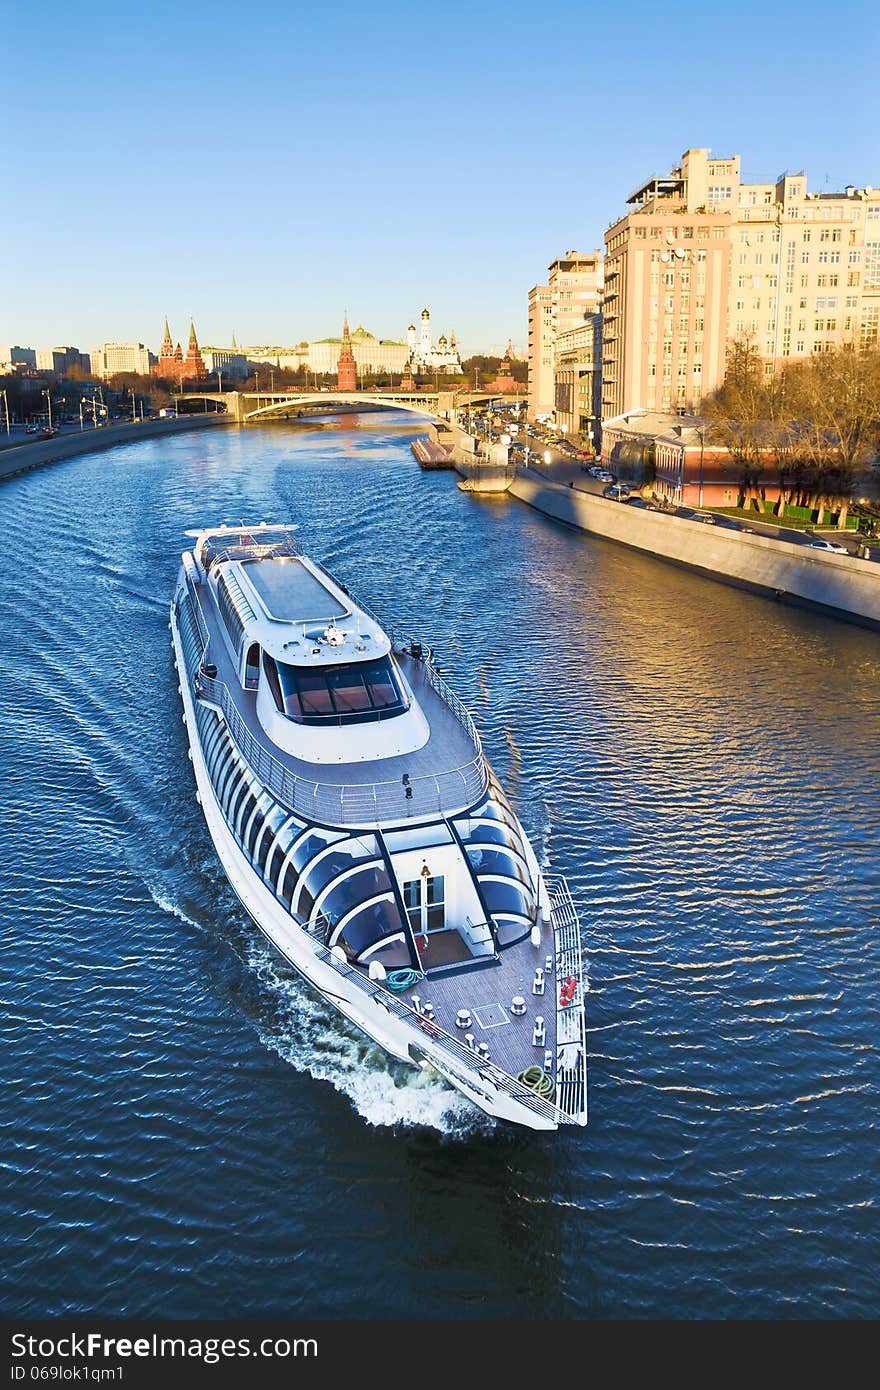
487, 990
446, 775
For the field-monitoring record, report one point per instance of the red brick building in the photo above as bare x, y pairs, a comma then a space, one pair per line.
346, 367
174, 367
674, 450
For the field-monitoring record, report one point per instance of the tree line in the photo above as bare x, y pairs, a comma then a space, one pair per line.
814, 422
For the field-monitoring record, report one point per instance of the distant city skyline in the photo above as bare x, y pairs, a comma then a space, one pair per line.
263, 179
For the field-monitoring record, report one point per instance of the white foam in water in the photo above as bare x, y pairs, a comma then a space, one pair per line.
161, 899
309, 1034
314, 1037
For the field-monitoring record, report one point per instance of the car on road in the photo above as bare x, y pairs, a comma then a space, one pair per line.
829, 545
616, 491
634, 501
707, 517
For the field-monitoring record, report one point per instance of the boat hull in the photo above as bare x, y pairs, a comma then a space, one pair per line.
403, 1038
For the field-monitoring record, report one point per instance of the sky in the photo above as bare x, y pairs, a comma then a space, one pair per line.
264, 169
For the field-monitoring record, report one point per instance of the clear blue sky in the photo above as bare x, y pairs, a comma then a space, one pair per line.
262, 168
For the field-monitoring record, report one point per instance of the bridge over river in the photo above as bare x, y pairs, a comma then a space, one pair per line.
251, 406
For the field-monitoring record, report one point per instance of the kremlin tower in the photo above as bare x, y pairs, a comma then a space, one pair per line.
346, 367
172, 366
504, 381
194, 368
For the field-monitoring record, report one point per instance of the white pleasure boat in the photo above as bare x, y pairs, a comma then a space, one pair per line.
360, 825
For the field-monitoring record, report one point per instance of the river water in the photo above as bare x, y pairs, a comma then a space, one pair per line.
187, 1131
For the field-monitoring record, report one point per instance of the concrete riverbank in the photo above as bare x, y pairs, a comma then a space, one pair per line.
24, 457
842, 585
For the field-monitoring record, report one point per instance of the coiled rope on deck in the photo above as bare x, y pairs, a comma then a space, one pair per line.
400, 980
537, 1080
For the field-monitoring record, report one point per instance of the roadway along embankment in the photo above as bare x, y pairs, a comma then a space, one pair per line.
22, 457
842, 585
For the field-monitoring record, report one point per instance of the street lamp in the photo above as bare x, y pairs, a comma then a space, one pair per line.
6, 408
48, 396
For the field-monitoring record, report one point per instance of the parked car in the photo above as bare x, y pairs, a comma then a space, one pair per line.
829, 545
616, 491
637, 502
603, 476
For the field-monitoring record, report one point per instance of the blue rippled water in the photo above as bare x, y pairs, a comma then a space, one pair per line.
187, 1131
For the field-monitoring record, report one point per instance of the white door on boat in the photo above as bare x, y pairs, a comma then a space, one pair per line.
424, 899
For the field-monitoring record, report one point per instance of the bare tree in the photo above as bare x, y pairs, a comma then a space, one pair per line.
737, 415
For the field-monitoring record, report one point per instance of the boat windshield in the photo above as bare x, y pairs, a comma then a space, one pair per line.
353, 693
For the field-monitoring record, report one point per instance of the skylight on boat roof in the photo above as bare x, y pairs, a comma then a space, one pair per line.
290, 593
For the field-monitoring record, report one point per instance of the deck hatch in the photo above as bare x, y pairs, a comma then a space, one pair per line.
290, 593
491, 1015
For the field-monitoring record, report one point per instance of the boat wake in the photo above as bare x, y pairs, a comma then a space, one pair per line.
309, 1035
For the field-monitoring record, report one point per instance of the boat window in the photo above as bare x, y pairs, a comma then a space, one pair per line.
314, 693
330, 865
357, 888
252, 667
244, 811
220, 758
229, 613
496, 810
275, 867
240, 787
349, 690
511, 929
419, 837
304, 853
350, 693
393, 953
253, 831
274, 683
372, 928
226, 782
273, 822
487, 860
504, 897
488, 832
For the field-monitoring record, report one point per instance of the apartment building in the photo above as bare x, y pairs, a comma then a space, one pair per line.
540, 352
577, 379
702, 257
571, 298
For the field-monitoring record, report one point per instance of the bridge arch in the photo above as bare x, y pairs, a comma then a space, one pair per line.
267, 405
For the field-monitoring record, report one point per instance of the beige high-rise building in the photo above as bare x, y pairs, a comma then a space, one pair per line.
702, 257
540, 352
572, 295
111, 358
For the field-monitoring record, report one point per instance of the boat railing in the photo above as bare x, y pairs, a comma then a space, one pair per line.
341, 803
455, 1051
571, 1014
257, 550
